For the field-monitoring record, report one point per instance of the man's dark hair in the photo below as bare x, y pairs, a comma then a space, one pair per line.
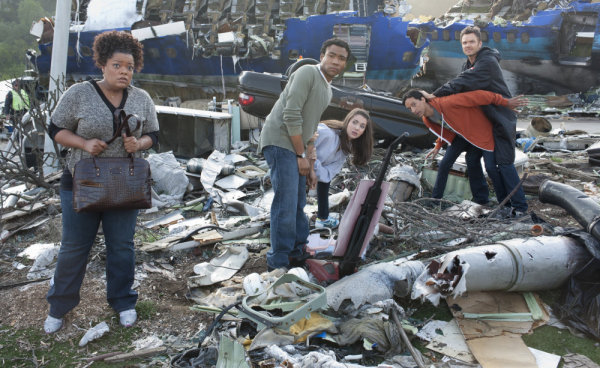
413, 93
335, 41
471, 30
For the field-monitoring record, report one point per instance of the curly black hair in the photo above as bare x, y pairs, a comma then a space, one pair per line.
107, 43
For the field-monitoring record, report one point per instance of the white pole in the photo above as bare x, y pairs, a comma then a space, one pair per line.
58, 70
60, 43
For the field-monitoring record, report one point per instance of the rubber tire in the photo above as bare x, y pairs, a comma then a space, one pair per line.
292, 68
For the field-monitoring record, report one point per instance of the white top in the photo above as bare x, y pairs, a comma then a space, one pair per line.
330, 158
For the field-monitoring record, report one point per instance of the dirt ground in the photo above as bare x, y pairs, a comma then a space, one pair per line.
25, 306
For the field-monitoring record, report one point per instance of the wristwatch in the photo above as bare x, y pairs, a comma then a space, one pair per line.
303, 155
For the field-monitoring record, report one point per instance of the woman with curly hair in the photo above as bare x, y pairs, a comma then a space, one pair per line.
335, 141
83, 121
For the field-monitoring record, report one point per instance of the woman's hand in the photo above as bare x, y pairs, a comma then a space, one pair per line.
311, 180
132, 145
94, 146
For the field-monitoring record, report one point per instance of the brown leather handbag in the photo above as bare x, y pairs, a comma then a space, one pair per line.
113, 183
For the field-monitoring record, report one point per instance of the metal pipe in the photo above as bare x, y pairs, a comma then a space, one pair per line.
583, 208
539, 263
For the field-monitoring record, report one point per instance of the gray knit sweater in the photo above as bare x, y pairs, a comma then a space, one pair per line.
84, 111
298, 109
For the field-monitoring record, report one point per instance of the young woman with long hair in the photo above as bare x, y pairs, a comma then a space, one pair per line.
336, 141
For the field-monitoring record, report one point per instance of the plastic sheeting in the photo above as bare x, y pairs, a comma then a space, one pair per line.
580, 307
170, 181
378, 282
107, 14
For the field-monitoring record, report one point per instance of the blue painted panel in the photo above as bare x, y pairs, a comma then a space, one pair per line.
170, 55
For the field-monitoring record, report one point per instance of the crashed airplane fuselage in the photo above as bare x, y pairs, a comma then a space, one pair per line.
190, 54
554, 50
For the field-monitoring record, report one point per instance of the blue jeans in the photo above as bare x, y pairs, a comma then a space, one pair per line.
323, 200
289, 224
489, 160
477, 182
504, 178
79, 232
510, 179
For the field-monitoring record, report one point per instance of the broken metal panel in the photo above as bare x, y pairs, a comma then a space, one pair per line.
290, 8
240, 8
315, 7
576, 38
231, 354
263, 11
298, 308
337, 5
191, 133
450, 342
161, 30
512, 265
220, 268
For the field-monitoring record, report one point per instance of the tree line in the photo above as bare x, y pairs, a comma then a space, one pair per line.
16, 18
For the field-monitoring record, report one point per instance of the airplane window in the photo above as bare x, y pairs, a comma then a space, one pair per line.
446, 35
497, 36
171, 52
511, 36
434, 35
457, 35
86, 51
153, 52
525, 37
485, 37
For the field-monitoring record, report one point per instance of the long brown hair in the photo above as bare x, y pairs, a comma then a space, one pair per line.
362, 147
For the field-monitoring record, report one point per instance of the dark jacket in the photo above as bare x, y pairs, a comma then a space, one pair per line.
8, 110
485, 73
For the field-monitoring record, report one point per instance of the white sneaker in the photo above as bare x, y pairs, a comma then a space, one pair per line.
51, 324
127, 317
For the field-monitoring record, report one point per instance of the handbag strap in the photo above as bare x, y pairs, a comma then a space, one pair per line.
121, 120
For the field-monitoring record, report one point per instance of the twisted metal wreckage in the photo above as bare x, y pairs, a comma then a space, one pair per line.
360, 306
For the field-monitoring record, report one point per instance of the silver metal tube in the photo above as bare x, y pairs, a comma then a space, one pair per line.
539, 263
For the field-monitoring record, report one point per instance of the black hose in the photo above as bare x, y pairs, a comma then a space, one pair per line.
584, 209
